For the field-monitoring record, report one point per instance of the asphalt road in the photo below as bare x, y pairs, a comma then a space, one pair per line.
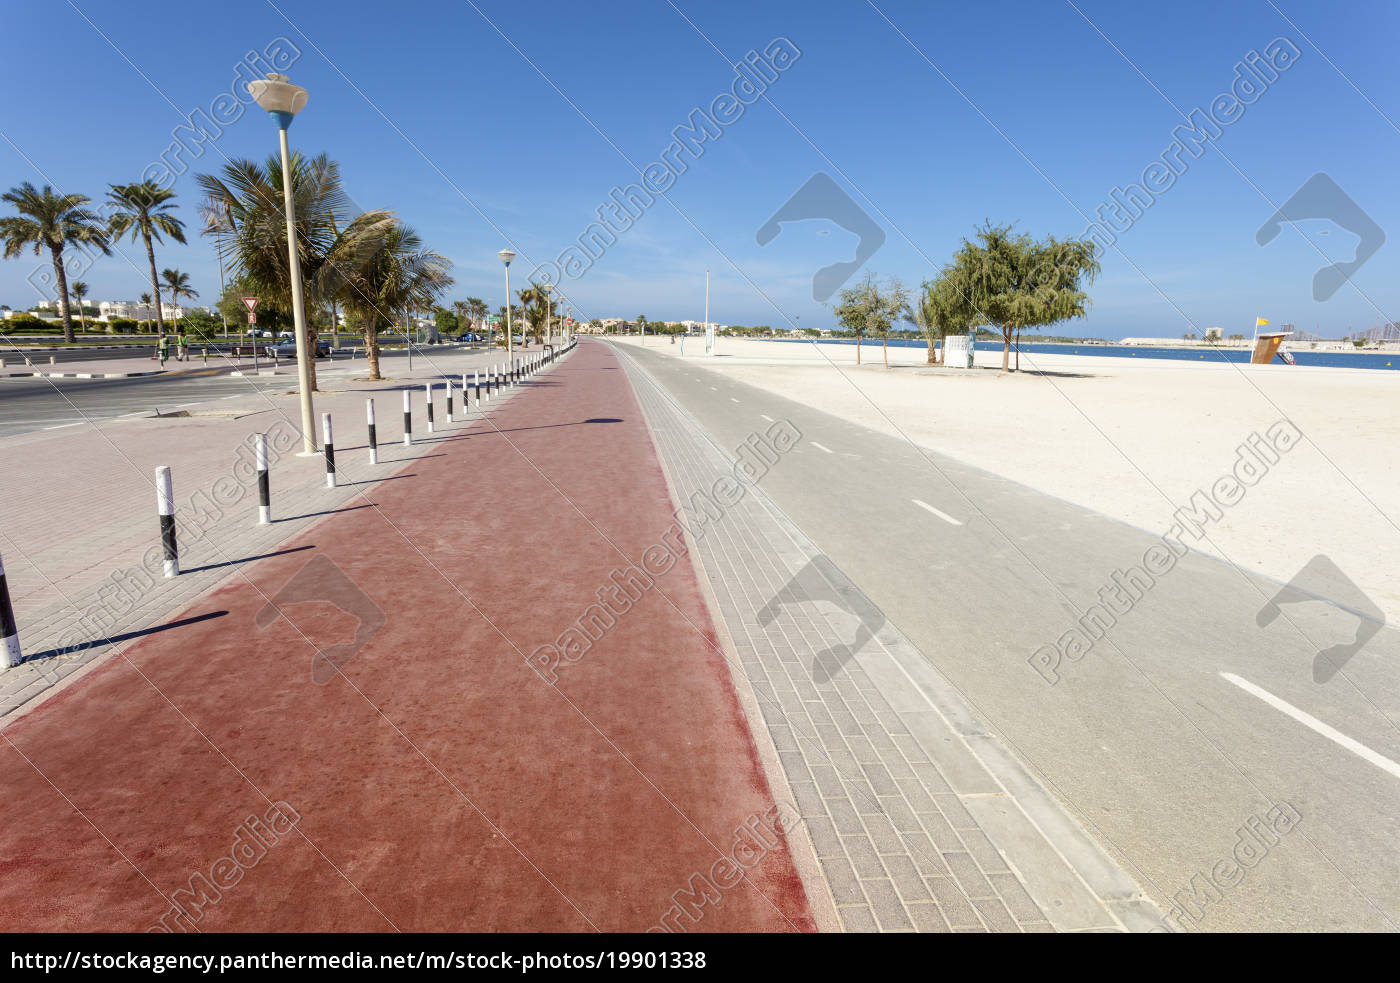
39, 403
28, 404
14, 353
1181, 723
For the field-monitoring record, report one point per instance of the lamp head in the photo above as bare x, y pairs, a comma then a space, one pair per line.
506, 256
280, 98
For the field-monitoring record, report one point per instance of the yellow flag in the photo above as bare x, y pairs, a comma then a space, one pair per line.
1261, 322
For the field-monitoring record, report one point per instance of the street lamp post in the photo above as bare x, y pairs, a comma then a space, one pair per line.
709, 332
546, 289
506, 256
283, 100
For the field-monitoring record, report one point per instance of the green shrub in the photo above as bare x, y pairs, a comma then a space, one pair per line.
123, 325
27, 324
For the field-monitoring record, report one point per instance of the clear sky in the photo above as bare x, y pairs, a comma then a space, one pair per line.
485, 123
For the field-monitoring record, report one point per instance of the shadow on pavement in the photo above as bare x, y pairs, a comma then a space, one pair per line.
247, 559
83, 646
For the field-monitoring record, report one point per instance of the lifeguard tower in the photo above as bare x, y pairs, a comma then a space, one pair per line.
1266, 346
1266, 342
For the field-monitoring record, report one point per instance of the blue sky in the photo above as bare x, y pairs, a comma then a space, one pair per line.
485, 123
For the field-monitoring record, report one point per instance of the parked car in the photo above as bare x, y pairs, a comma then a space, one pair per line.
288, 349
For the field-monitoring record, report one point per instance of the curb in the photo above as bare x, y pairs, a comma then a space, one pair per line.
80, 375
904, 671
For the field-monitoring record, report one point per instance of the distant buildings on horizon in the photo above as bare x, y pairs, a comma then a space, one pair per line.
108, 309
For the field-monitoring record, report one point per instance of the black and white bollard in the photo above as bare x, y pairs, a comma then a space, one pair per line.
428, 395
476, 387
407, 417
449, 400
329, 441
264, 486
373, 439
165, 506
466, 400
9, 645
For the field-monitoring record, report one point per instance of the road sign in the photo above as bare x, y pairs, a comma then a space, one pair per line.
252, 318
250, 303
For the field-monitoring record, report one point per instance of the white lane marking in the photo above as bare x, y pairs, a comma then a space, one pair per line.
938, 512
768, 418
820, 447
733, 400
714, 389
1307, 720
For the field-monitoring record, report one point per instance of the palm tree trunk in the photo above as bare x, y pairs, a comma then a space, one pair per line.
1018, 348
62, 277
1006, 351
372, 352
310, 342
155, 282
857, 349
885, 349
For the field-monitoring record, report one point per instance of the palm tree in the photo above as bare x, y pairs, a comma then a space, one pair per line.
399, 275
477, 310
179, 286
144, 210
52, 221
80, 290
244, 211
536, 304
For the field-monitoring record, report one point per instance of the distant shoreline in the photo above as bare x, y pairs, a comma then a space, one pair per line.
1382, 359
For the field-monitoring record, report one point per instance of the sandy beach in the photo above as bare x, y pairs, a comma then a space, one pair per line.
1136, 440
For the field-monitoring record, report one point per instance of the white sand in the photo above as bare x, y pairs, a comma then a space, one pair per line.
1135, 439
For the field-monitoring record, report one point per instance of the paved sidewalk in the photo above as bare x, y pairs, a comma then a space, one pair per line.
921, 820
362, 743
78, 529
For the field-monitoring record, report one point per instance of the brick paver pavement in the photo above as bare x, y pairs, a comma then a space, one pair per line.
921, 820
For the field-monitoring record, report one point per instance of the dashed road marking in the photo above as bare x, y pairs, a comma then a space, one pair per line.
820, 447
1311, 722
938, 512
768, 418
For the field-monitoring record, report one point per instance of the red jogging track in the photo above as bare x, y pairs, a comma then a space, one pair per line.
441, 784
